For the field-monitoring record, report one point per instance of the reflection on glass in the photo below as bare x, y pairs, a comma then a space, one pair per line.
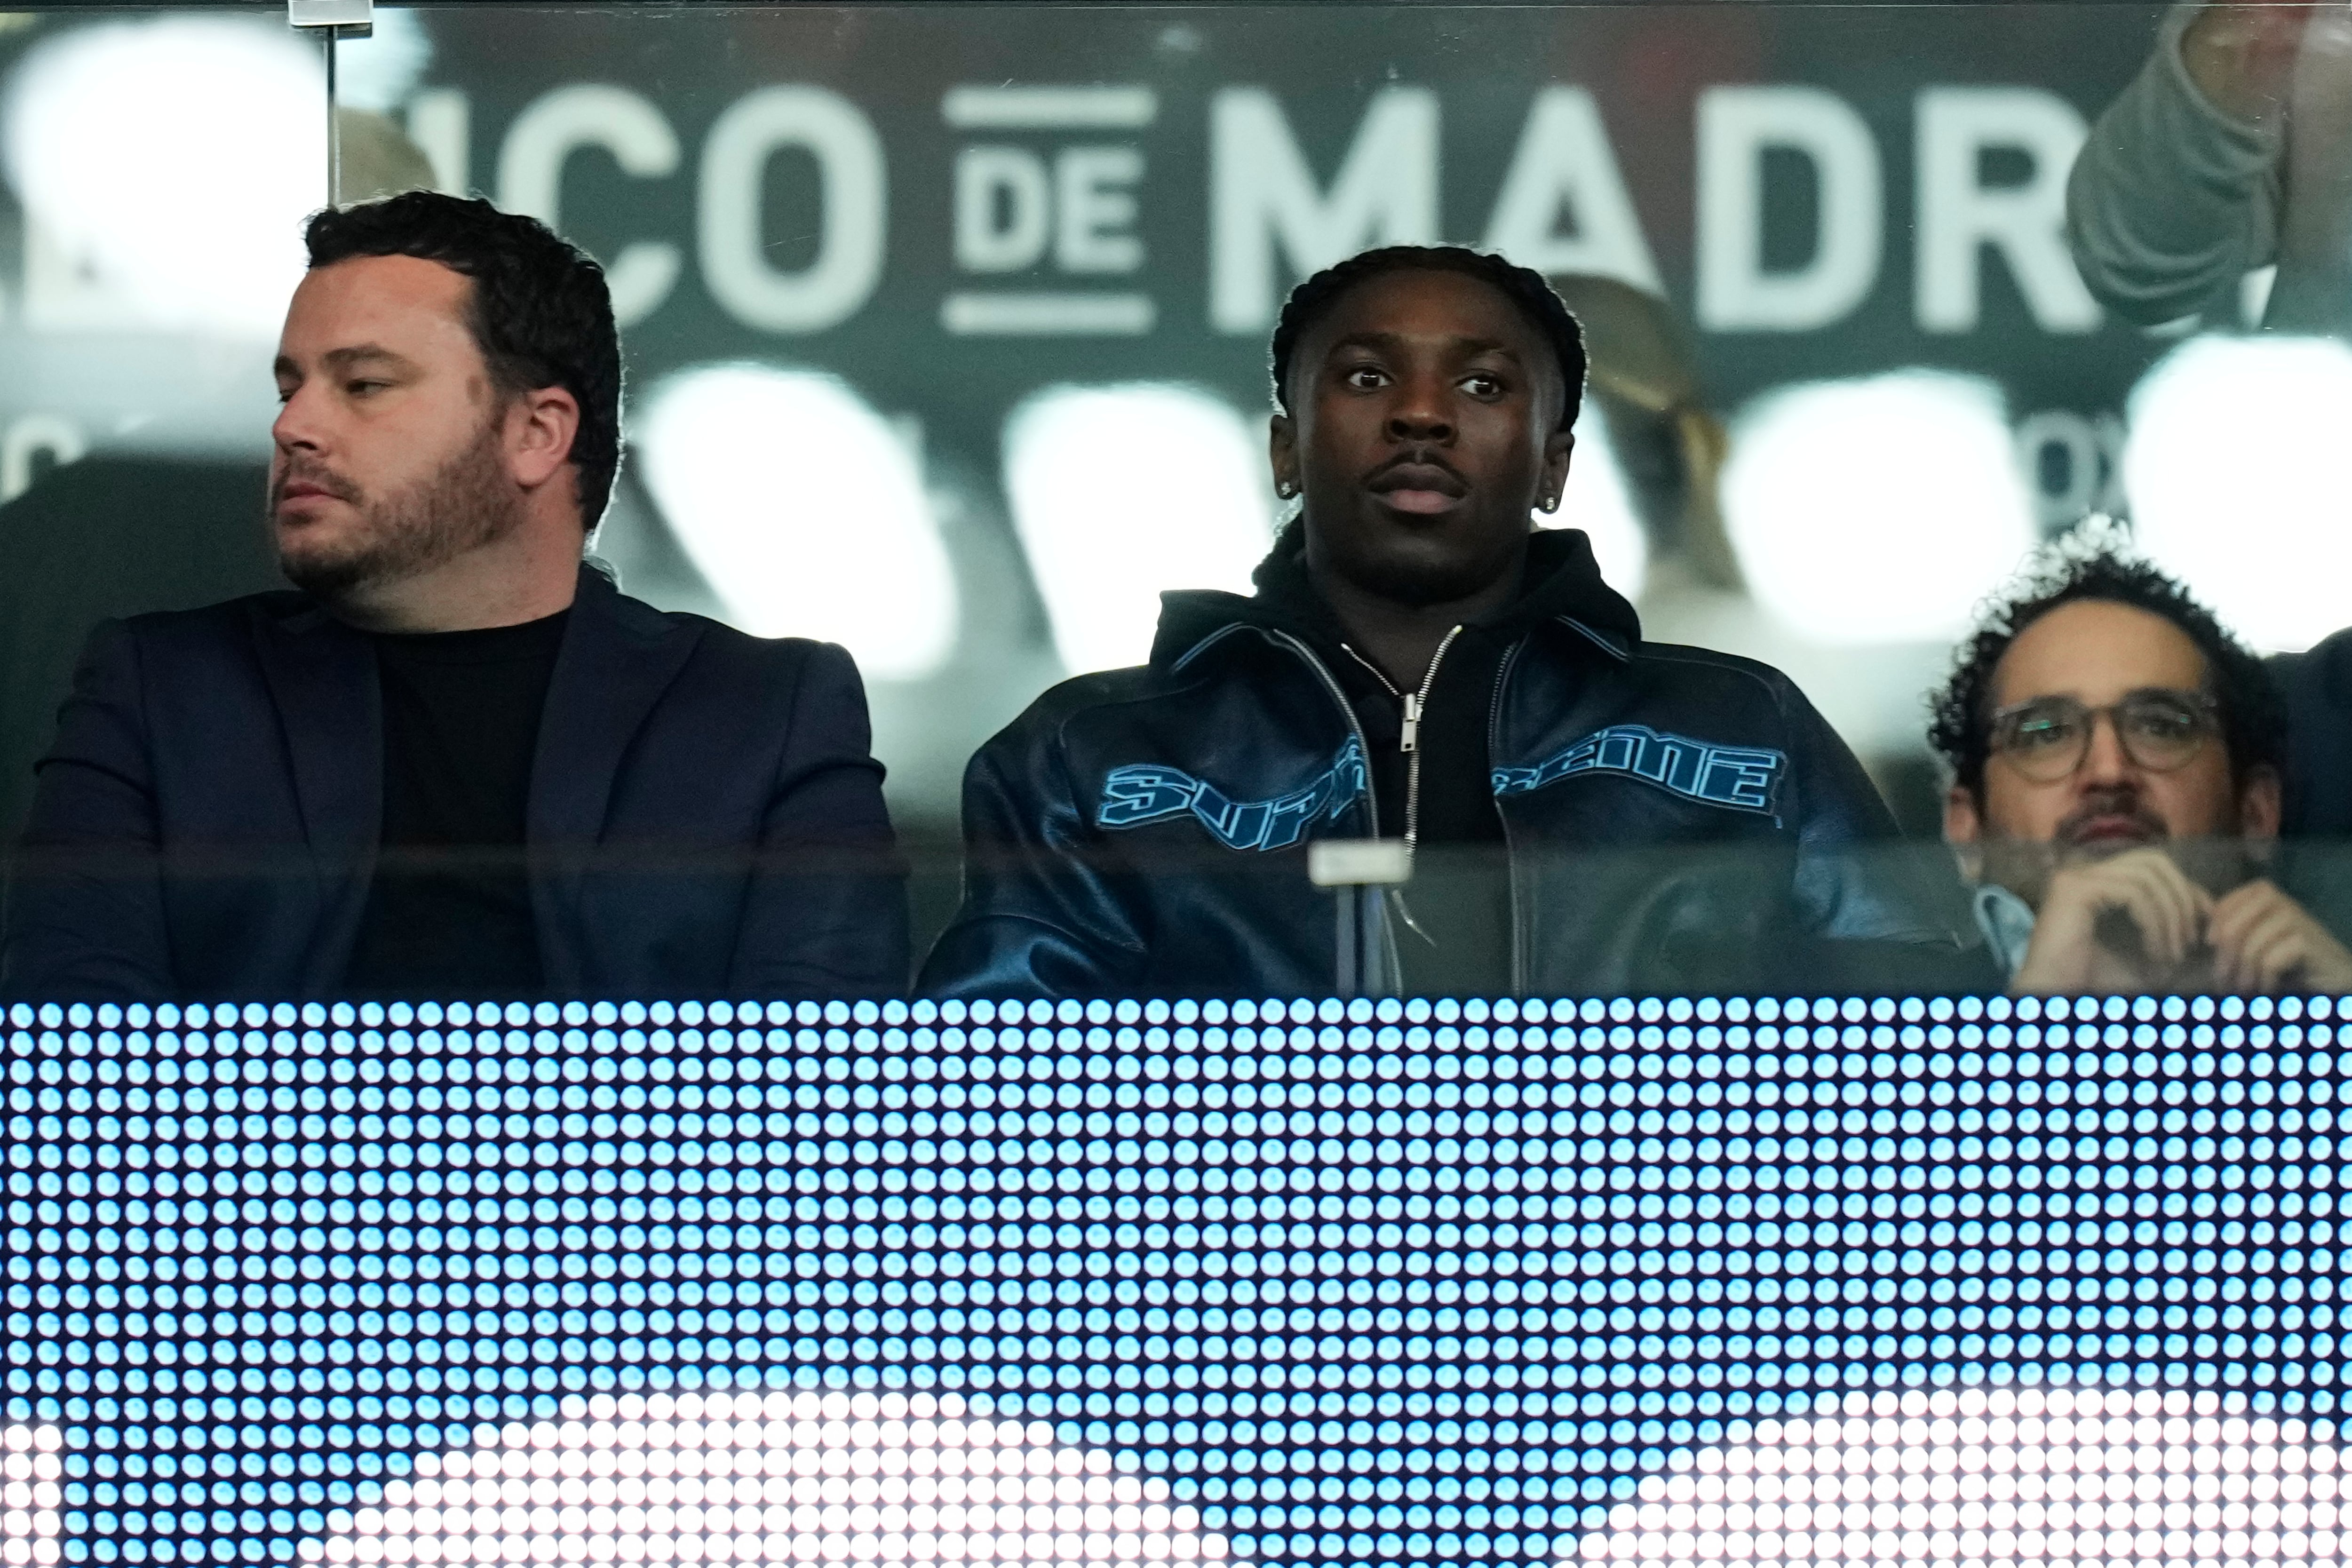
30, 1494
2239, 471
804, 510
1878, 509
774, 1479
1598, 500
164, 166
1120, 492
2031, 1476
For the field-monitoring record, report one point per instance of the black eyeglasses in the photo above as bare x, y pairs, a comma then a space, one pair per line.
2046, 737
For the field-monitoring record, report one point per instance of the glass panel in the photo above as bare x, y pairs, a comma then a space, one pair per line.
947, 335
1643, 1165
1534, 1273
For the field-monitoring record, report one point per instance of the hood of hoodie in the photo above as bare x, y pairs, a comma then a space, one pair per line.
1563, 583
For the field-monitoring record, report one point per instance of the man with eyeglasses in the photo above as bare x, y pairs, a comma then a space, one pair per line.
2114, 796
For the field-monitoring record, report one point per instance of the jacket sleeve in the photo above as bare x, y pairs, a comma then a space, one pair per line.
85, 908
1042, 915
2171, 201
825, 914
1885, 913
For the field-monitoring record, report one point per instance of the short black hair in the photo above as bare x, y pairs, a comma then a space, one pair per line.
1313, 300
2254, 714
540, 310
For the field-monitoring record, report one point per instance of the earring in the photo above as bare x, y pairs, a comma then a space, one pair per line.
1286, 490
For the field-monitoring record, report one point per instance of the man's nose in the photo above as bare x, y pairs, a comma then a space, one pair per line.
299, 425
1420, 412
2105, 761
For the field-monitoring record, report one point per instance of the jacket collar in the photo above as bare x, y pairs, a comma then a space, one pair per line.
1564, 583
321, 677
619, 655
617, 658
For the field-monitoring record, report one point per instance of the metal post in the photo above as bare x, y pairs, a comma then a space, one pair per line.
337, 19
1350, 936
1357, 870
334, 127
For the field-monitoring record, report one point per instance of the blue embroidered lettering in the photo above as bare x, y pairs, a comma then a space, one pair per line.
1149, 791
1738, 778
1146, 794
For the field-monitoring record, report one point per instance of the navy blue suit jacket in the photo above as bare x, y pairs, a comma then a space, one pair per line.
705, 817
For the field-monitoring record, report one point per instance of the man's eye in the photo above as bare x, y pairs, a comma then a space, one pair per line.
2164, 723
361, 388
1483, 385
2035, 733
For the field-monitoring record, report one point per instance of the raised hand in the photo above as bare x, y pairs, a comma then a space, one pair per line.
2241, 55
2122, 924
2264, 942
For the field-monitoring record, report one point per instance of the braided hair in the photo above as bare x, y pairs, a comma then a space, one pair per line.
1313, 298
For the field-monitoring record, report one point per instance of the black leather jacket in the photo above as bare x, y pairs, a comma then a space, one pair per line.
1673, 820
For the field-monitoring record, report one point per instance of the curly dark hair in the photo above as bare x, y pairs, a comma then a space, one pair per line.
1313, 300
539, 309
2254, 714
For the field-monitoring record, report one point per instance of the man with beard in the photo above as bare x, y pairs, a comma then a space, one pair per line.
1582, 811
2114, 796
458, 761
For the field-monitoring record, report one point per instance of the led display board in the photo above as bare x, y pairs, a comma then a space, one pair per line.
1304, 1282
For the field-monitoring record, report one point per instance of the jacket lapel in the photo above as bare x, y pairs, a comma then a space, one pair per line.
619, 657
322, 677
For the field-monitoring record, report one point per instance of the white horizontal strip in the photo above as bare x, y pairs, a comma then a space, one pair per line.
1049, 108
1047, 315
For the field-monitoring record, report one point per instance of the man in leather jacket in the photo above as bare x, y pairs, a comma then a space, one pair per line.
1587, 811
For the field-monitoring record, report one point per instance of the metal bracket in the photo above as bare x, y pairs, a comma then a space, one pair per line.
336, 20
350, 18
1355, 870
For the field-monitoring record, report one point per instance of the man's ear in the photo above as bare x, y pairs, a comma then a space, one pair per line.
1559, 448
541, 429
1963, 830
1282, 454
2259, 807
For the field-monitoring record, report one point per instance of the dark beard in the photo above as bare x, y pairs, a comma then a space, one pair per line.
464, 504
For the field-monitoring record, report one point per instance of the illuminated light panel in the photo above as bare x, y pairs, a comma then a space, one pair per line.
1456, 1333
804, 510
1876, 510
1598, 500
2027, 1477
1119, 493
774, 1478
169, 164
2236, 463
30, 1494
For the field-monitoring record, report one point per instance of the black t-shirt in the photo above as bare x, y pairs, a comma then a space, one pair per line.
449, 911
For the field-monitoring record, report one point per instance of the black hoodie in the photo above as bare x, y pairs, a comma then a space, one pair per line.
1456, 941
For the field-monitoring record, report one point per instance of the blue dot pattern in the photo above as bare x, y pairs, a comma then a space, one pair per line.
1365, 1283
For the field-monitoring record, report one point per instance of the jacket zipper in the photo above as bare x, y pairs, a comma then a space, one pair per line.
1393, 978
1410, 734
